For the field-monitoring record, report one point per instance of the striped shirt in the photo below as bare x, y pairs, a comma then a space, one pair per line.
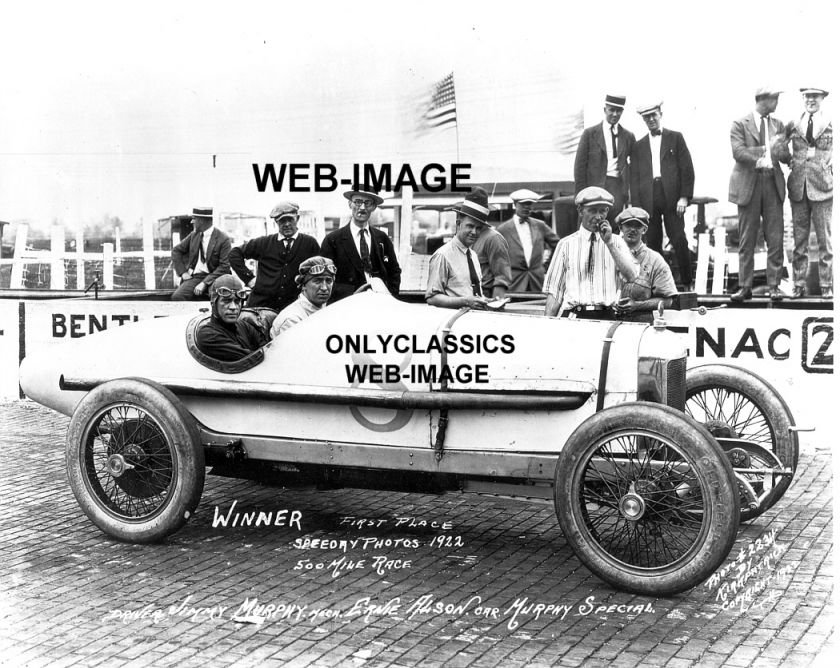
568, 279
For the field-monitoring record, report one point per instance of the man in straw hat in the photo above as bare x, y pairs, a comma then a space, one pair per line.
454, 270
808, 148
589, 267
662, 183
603, 156
201, 257
361, 252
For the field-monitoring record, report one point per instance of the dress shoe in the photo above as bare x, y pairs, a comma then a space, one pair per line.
742, 295
775, 294
827, 293
798, 292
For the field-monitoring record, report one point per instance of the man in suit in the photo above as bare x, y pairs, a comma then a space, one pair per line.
808, 146
603, 156
662, 183
361, 252
530, 243
758, 188
201, 258
279, 256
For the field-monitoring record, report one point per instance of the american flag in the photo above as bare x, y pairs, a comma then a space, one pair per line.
568, 131
439, 109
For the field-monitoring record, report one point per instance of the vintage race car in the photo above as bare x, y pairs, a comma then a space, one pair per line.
650, 468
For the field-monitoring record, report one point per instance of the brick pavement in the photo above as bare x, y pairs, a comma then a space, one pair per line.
73, 597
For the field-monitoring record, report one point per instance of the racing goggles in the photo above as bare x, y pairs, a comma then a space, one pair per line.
318, 269
227, 294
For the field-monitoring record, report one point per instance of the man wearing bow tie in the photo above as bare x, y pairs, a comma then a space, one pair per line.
757, 186
662, 183
201, 258
279, 257
361, 252
808, 150
603, 156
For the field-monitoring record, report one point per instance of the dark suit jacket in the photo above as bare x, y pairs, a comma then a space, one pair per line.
591, 157
528, 274
185, 254
676, 168
746, 149
275, 286
340, 248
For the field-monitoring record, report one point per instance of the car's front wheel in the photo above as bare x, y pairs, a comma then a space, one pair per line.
646, 499
134, 460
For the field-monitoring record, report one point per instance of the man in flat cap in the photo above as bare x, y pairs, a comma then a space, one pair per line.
201, 257
603, 156
454, 271
808, 147
662, 183
530, 243
361, 252
226, 336
757, 186
315, 279
654, 283
589, 267
279, 257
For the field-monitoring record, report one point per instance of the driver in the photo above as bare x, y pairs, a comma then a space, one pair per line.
227, 336
315, 279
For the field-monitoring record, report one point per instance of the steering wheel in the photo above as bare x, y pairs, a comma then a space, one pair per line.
363, 288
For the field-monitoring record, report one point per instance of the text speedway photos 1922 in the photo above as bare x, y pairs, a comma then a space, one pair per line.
387, 482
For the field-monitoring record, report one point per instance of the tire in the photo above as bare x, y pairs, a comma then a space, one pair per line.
755, 412
684, 490
134, 460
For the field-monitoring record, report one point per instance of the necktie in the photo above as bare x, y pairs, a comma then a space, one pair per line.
762, 134
591, 261
201, 247
809, 133
364, 250
476, 284
613, 135
288, 242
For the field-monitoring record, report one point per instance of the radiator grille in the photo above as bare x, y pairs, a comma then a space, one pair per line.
676, 384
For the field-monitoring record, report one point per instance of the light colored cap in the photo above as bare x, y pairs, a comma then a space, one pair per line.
766, 91
284, 209
524, 195
633, 214
649, 107
592, 196
813, 91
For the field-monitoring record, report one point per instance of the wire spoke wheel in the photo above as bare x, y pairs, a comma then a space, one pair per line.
646, 499
735, 403
134, 460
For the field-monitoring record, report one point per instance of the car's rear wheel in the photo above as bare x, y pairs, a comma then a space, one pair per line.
134, 460
646, 499
719, 395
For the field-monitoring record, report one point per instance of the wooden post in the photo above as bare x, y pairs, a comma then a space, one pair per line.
108, 265
80, 259
176, 239
16, 279
149, 254
701, 280
719, 276
403, 234
57, 257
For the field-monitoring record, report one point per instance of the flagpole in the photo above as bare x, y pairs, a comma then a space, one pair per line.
457, 135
